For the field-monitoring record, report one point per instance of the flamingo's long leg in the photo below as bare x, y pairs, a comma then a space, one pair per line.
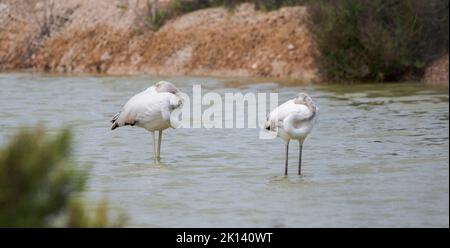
286, 155
158, 156
300, 157
154, 147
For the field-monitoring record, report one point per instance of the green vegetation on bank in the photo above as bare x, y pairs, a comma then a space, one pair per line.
379, 40
40, 185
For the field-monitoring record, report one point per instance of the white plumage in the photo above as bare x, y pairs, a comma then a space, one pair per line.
293, 119
151, 110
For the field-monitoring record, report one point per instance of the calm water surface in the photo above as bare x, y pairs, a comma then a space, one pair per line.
377, 157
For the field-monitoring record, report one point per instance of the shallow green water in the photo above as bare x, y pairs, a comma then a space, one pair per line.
377, 157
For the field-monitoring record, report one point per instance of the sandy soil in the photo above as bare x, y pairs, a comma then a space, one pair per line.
101, 36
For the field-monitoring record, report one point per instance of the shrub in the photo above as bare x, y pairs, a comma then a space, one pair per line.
40, 186
379, 40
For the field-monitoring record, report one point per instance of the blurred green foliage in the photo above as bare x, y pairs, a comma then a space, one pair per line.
40, 185
379, 40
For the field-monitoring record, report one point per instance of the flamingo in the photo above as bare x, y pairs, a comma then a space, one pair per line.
151, 110
293, 119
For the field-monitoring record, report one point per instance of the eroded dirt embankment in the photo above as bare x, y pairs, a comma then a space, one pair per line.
99, 36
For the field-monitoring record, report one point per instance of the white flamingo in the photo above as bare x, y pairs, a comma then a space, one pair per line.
293, 119
150, 109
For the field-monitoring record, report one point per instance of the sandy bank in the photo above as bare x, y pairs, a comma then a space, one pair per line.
98, 36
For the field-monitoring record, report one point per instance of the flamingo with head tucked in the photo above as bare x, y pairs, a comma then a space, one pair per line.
293, 119
151, 110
